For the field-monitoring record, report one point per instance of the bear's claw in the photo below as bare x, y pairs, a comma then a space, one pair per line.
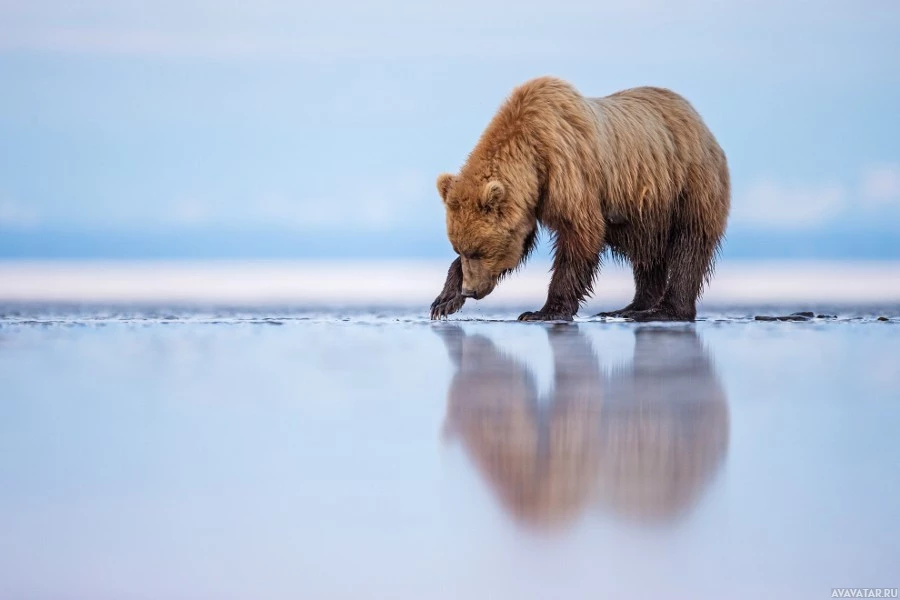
444, 306
541, 315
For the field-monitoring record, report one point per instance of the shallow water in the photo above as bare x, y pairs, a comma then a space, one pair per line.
156, 452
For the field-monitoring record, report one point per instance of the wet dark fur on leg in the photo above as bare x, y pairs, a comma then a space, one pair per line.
573, 277
450, 299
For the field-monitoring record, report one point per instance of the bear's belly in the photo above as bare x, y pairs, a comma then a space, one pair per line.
637, 241
618, 238
633, 239
615, 219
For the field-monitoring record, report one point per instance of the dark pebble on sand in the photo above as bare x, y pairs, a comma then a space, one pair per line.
793, 317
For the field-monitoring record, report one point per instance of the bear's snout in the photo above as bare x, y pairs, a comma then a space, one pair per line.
475, 293
477, 279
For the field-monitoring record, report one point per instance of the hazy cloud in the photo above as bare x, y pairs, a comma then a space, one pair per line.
16, 214
881, 185
780, 205
385, 204
647, 30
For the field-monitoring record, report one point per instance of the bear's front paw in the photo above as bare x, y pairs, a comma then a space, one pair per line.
543, 315
446, 305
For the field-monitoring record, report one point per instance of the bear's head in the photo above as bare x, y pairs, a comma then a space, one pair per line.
489, 229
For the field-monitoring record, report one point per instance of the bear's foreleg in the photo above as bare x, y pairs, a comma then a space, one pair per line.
574, 267
450, 299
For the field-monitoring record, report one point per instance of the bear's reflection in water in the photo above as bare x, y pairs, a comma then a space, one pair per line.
642, 440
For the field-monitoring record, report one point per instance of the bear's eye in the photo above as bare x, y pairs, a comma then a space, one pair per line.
473, 255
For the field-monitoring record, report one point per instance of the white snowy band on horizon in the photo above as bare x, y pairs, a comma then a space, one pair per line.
412, 283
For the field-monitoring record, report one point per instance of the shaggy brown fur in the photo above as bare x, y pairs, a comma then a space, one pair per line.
636, 173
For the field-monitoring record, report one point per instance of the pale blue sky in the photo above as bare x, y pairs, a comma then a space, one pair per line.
202, 128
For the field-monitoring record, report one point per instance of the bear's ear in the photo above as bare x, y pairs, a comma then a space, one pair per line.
443, 184
492, 195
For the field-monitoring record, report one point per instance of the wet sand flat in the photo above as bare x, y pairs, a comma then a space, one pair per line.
152, 452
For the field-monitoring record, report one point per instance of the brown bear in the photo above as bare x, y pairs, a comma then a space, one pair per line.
637, 173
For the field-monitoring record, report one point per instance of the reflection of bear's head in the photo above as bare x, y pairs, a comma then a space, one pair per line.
489, 225
643, 440
540, 459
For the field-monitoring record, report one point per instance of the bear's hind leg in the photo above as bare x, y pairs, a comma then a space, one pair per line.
649, 286
701, 214
690, 259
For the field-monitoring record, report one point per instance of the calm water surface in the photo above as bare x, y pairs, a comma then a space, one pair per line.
150, 453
